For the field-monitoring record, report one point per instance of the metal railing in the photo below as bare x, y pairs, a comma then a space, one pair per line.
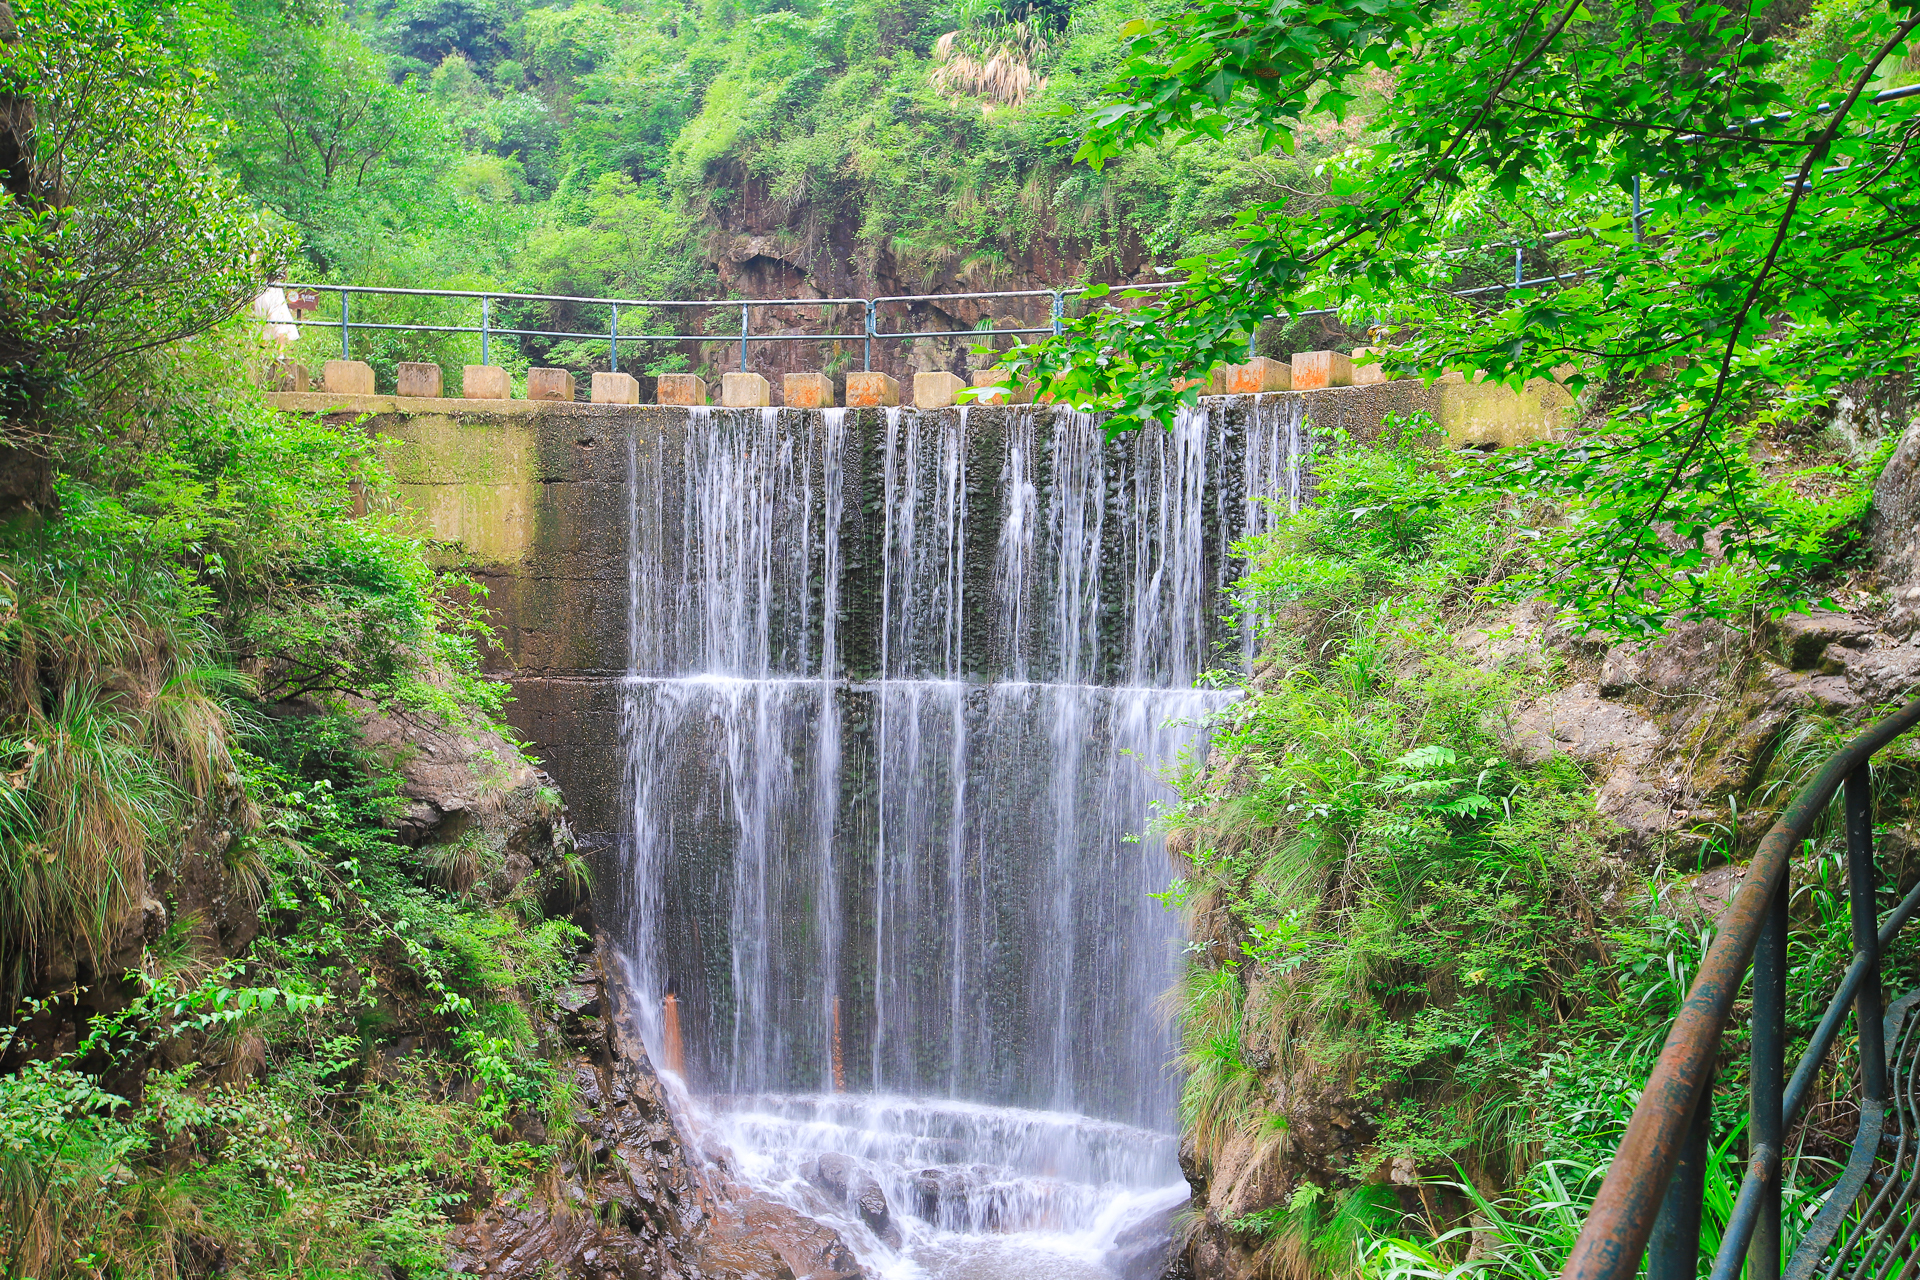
871, 329
1651, 1199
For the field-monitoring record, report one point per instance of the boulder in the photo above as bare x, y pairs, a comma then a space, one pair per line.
832, 1173
871, 1201
470, 789
1689, 658
1877, 673
1804, 637
1148, 1249
1894, 529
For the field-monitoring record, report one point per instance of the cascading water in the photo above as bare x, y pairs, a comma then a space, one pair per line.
901, 687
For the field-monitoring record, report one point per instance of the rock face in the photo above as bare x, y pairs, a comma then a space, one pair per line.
479, 810
634, 1196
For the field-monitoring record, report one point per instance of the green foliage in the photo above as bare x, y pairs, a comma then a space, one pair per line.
593, 146
181, 635
319, 132
1316, 1231
340, 1130
1535, 124
1394, 903
1410, 905
123, 235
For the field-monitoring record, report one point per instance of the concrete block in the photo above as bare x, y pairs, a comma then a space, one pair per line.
1259, 375
936, 390
1366, 375
681, 389
421, 381
485, 382
807, 391
1315, 369
1004, 392
872, 391
743, 390
1482, 414
347, 377
286, 375
549, 384
1212, 385
616, 388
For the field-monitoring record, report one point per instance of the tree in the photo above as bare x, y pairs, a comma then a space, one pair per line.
1768, 263
320, 132
121, 236
431, 29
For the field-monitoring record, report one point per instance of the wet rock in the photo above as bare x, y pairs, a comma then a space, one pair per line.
760, 1239
876, 1213
635, 1201
1147, 1250
832, 1173
929, 1192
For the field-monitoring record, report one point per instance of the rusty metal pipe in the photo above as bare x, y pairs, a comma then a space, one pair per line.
1617, 1228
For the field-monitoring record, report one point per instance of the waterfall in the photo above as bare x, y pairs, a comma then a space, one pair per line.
901, 688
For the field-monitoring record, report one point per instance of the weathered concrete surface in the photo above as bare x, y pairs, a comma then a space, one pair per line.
533, 498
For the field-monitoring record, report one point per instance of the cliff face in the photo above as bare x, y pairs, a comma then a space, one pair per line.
762, 247
1685, 748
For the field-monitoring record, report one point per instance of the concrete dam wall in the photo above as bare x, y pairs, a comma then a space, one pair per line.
534, 498
868, 710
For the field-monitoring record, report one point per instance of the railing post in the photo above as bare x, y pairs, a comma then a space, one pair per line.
867, 362
1674, 1251
1766, 1126
1867, 1010
1059, 313
344, 353
743, 337
613, 340
485, 316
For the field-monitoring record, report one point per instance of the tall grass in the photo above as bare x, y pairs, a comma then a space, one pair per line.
114, 724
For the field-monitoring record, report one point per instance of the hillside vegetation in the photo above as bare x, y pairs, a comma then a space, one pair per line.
659, 150
244, 1027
